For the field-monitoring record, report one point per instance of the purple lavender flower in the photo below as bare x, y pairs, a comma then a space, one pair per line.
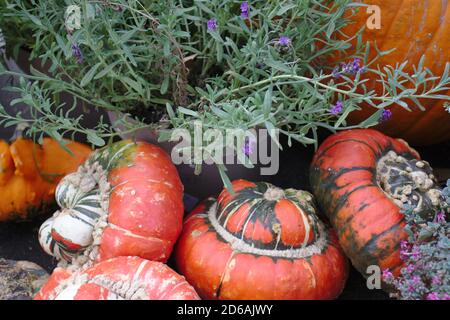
404, 249
212, 24
245, 10
440, 217
353, 67
415, 254
416, 280
433, 296
248, 145
284, 41
337, 108
76, 53
446, 296
336, 73
404, 245
410, 268
386, 115
387, 275
436, 281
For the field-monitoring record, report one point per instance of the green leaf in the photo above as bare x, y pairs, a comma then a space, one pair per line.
170, 111
34, 19
272, 132
90, 11
63, 45
216, 36
187, 111
105, 71
268, 101
134, 84
286, 8
219, 112
165, 84
93, 138
89, 75
344, 116
226, 181
372, 120
181, 34
164, 135
330, 29
204, 8
167, 48
219, 54
278, 66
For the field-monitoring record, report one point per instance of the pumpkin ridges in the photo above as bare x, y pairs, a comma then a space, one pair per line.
119, 242
131, 196
154, 205
46, 292
156, 166
326, 265
254, 285
245, 273
285, 272
198, 249
392, 25
363, 232
128, 278
434, 113
383, 253
57, 162
417, 127
27, 157
6, 163
373, 139
291, 218
368, 221
238, 220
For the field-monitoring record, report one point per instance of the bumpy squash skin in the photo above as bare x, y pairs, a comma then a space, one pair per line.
218, 270
414, 28
121, 278
147, 173
125, 200
30, 172
368, 223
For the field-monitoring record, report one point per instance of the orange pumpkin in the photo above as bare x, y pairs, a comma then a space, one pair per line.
30, 172
361, 179
120, 278
261, 242
414, 28
125, 200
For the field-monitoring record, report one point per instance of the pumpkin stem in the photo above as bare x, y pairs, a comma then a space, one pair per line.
273, 194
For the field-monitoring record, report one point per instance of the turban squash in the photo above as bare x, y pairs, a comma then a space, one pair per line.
120, 278
414, 28
30, 172
361, 179
125, 200
261, 242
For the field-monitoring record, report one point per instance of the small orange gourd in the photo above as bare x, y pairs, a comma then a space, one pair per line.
29, 173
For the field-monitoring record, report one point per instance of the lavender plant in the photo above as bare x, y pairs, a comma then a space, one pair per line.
426, 255
225, 63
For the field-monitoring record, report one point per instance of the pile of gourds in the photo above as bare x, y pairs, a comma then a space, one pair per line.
121, 214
